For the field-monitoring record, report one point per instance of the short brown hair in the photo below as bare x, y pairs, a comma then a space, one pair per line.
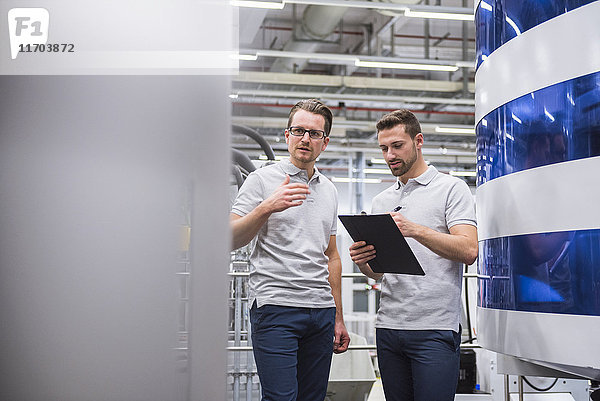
400, 117
313, 106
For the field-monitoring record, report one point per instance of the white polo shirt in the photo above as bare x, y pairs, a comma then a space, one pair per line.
431, 302
289, 265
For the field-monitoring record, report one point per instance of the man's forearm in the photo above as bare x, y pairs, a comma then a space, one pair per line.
367, 271
459, 248
335, 282
245, 228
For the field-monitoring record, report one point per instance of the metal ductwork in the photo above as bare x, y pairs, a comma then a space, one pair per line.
391, 13
318, 22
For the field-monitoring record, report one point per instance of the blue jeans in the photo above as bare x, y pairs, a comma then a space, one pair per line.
418, 365
292, 350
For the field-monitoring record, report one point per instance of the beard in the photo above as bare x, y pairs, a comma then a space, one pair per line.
406, 165
303, 156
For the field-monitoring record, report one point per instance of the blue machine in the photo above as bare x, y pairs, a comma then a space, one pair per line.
538, 160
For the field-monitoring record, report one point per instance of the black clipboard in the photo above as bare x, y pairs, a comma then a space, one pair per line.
393, 253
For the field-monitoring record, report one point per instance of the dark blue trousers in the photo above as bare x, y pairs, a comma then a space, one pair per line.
292, 349
418, 365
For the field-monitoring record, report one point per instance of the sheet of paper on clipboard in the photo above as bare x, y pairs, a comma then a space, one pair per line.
393, 253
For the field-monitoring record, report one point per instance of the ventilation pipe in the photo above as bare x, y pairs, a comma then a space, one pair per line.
318, 22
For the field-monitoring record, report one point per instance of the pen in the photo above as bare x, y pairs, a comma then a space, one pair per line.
397, 209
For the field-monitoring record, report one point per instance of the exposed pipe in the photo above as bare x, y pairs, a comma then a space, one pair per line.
396, 35
454, 113
318, 22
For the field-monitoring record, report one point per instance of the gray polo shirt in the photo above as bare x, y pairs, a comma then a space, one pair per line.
430, 302
289, 265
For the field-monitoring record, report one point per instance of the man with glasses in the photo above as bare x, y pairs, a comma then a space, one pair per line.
295, 283
418, 321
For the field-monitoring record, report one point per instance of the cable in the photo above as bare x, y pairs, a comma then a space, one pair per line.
540, 389
242, 160
468, 312
241, 129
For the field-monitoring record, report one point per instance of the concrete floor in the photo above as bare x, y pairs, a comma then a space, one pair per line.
377, 394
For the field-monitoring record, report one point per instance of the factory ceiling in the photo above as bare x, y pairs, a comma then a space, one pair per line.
363, 59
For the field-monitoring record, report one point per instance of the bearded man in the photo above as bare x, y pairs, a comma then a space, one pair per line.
418, 321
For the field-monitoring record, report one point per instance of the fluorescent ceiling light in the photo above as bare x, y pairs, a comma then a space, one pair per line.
437, 15
248, 57
452, 130
377, 171
233, 96
274, 5
463, 173
405, 66
420, 11
317, 60
378, 161
352, 4
435, 12
376, 62
348, 179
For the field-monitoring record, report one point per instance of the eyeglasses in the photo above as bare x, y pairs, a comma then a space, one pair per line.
312, 133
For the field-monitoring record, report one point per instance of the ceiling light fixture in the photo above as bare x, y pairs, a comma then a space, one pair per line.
405, 66
273, 5
363, 61
415, 11
437, 15
420, 11
247, 57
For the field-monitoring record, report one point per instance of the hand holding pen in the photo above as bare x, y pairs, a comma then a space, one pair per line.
406, 227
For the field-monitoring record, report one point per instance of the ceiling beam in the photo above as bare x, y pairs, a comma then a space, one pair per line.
350, 82
353, 97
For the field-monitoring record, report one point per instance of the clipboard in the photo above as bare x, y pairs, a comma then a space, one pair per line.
393, 253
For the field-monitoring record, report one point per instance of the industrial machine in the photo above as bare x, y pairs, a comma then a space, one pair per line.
538, 153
